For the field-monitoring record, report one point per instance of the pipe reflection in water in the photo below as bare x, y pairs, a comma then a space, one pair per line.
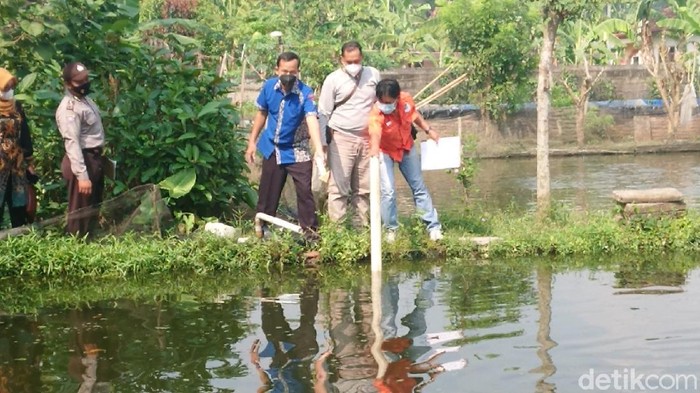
376, 325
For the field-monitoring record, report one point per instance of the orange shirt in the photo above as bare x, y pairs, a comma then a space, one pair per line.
395, 128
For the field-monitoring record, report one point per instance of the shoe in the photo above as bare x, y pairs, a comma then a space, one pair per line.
435, 235
390, 237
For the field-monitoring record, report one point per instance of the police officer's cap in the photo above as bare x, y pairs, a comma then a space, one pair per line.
74, 71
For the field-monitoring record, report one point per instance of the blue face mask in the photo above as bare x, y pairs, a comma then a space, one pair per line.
386, 108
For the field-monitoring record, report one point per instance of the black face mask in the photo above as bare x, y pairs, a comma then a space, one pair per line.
83, 89
288, 82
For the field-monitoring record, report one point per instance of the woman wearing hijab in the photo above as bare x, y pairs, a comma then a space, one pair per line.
16, 153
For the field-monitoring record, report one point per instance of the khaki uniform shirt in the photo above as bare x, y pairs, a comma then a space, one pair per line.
80, 125
351, 117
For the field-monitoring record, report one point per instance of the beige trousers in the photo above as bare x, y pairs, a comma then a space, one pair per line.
348, 159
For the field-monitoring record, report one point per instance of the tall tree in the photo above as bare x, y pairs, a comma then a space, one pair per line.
554, 12
495, 40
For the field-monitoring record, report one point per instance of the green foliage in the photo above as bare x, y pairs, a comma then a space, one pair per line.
164, 109
563, 233
396, 32
495, 40
604, 91
597, 125
186, 126
342, 245
594, 234
466, 172
560, 97
55, 255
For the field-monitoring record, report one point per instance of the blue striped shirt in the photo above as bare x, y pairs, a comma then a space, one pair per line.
285, 113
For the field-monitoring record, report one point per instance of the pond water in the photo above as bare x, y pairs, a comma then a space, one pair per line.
582, 182
501, 326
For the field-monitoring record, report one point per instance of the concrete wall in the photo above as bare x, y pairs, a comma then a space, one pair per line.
642, 126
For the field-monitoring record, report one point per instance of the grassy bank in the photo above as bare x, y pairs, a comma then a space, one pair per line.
564, 233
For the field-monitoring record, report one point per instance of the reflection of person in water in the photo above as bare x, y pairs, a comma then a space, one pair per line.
20, 355
397, 377
87, 362
415, 320
352, 367
291, 350
409, 354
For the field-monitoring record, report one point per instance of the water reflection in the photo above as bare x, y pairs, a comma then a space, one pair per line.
352, 366
544, 308
414, 356
90, 350
21, 346
498, 326
291, 351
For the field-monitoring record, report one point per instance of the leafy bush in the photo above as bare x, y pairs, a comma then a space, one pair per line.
598, 126
164, 108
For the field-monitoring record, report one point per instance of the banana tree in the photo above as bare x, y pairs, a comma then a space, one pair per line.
668, 53
584, 47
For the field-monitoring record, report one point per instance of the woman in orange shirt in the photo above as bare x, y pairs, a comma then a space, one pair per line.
390, 137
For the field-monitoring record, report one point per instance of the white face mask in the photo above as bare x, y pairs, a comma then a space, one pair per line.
353, 69
7, 95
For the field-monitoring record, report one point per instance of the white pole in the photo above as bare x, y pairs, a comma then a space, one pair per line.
459, 134
375, 218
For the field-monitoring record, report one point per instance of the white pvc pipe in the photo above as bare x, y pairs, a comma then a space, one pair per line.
276, 221
375, 218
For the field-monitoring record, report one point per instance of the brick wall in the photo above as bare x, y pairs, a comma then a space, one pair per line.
638, 126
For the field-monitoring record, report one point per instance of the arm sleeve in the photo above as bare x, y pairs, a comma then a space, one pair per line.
25, 137
326, 104
69, 126
375, 122
326, 100
410, 107
261, 102
309, 105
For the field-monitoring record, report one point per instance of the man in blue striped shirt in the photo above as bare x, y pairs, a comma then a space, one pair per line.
283, 103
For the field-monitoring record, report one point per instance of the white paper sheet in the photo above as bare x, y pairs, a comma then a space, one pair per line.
445, 154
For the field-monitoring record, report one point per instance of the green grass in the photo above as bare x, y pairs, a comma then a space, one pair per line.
563, 233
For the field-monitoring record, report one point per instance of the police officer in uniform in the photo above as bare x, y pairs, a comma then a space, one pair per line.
80, 124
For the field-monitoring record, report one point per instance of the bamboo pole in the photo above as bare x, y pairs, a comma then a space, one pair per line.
442, 91
445, 71
242, 89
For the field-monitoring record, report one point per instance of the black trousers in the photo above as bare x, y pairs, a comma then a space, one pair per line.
272, 182
18, 214
80, 220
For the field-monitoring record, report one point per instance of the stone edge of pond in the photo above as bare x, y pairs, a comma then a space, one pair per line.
670, 147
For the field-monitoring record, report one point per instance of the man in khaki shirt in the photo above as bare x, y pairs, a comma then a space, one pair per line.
80, 124
346, 98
